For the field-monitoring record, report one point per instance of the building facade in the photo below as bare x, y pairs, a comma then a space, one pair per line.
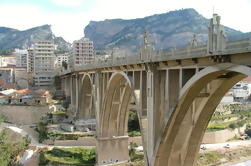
62, 58
21, 58
30, 60
82, 52
7, 61
43, 63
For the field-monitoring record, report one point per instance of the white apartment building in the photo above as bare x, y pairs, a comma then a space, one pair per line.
82, 52
62, 58
7, 61
43, 63
21, 58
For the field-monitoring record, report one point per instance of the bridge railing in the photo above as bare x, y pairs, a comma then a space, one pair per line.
125, 58
181, 53
238, 45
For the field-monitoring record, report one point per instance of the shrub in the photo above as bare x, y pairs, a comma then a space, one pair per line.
134, 133
9, 150
241, 123
232, 125
43, 131
248, 132
69, 156
133, 121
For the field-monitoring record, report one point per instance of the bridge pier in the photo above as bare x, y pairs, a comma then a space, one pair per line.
175, 94
118, 145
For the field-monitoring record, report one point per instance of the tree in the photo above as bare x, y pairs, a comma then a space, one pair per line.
65, 65
133, 121
248, 132
233, 125
43, 131
9, 150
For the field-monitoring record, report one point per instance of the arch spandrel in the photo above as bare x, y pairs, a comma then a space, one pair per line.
168, 148
85, 99
114, 112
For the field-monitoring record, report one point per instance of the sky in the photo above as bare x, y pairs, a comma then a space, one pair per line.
69, 17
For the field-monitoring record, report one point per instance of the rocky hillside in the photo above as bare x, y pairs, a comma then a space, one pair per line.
166, 30
12, 38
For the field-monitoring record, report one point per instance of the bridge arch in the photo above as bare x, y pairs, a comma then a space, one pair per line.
183, 131
85, 99
113, 126
115, 106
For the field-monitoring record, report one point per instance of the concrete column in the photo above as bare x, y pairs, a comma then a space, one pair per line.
70, 87
167, 104
173, 86
150, 114
77, 93
98, 91
155, 108
143, 92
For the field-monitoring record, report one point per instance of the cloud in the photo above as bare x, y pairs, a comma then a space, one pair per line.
70, 25
67, 3
22, 17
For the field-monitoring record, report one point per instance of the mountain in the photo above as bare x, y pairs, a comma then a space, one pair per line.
13, 38
167, 30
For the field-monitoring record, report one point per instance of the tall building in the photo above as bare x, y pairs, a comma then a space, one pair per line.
43, 63
30, 60
62, 58
82, 52
21, 58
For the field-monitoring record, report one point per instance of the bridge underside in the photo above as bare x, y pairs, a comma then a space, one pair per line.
174, 93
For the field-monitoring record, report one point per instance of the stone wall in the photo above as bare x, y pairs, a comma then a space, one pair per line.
222, 135
81, 141
23, 114
90, 141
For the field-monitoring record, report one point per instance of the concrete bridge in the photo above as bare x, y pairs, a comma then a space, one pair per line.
175, 94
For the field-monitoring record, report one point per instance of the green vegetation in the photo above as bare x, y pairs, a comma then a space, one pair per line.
223, 117
43, 131
209, 158
10, 149
222, 157
5, 52
218, 126
2, 118
133, 124
133, 155
134, 133
237, 124
248, 132
59, 112
65, 65
69, 156
243, 117
68, 136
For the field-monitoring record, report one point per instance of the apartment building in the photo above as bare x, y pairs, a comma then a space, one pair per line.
82, 52
43, 63
21, 58
7, 61
62, 58
30, 60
